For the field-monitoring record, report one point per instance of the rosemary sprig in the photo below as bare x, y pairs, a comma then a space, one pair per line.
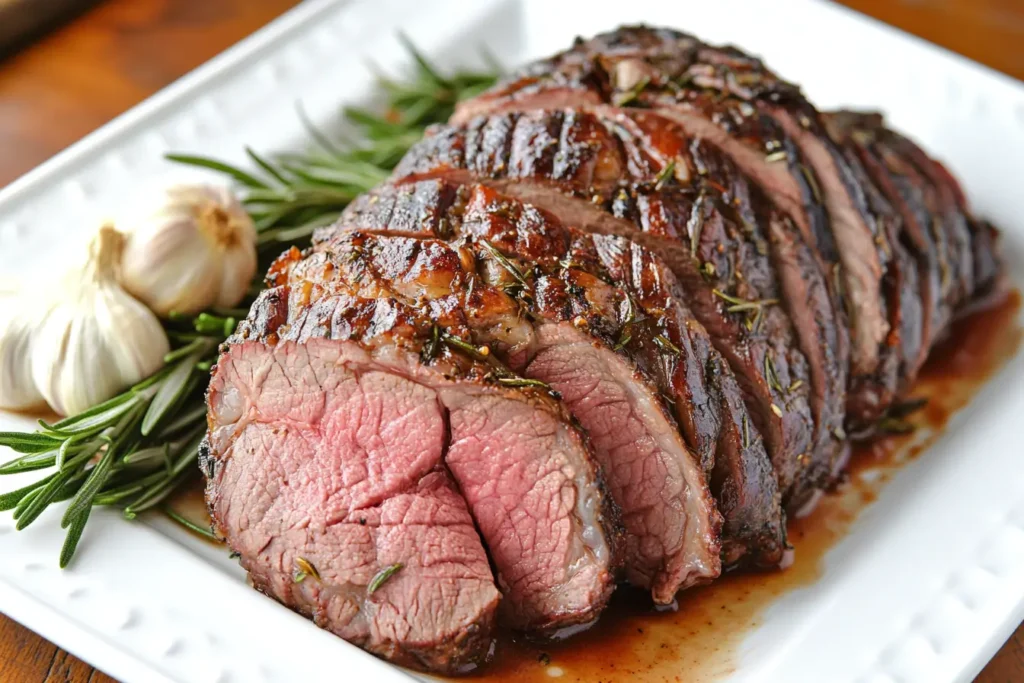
135, 450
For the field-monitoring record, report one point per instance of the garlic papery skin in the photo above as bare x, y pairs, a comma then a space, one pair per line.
18, 320
196, 251
94, 339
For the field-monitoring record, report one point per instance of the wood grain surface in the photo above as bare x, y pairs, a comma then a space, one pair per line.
117, 54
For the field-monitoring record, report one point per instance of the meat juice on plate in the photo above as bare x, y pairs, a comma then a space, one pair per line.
699, 640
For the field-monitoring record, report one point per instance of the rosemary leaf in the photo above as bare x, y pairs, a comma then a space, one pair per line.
126, 439
28, 443
477, 353
382, 577
74, 535
266, 166
172, 392
306, 568
191, 526
214, 165
426, 69
188, 349
523, 382
505, 263
665, 345
155, 456
39, 501
895, 426
62, 452
10, 500
85, 424
30, 462
902, 409
665, 175
770, 374
316, 134
628, 97
195, 416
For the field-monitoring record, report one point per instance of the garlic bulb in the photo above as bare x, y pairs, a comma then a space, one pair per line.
198, 250
17, 323
94, 339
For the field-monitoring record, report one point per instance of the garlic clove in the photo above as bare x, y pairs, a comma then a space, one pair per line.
197, 250
18, 391
95, 339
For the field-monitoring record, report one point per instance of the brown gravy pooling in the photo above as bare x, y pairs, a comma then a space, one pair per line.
699, 641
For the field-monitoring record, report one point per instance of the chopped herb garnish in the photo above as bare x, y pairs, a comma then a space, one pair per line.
839, 433
665, 175
624, 98
480, 353
770, 374
306, 569
205, 532
895, 426
382, 577
523, 382
624, 339
746, 433
811, 182
795, 385
708, 268
780, 155
665, 345
904, 408
433, 346
505, 263
738, 305
777, 410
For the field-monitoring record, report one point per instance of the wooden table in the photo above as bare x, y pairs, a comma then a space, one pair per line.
118, 53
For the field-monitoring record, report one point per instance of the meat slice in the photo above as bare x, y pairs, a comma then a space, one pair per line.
595, 346
908, 294
764, 124
728, 279
323, 475
525, 471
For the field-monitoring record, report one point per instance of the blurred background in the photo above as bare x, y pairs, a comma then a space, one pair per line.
69, 66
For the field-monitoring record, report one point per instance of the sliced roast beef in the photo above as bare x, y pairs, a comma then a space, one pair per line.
511, 448
629, 362
327, 475
615, 319
908, 295
728, 279
763, 123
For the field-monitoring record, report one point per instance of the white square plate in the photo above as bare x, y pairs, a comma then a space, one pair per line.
925, 588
